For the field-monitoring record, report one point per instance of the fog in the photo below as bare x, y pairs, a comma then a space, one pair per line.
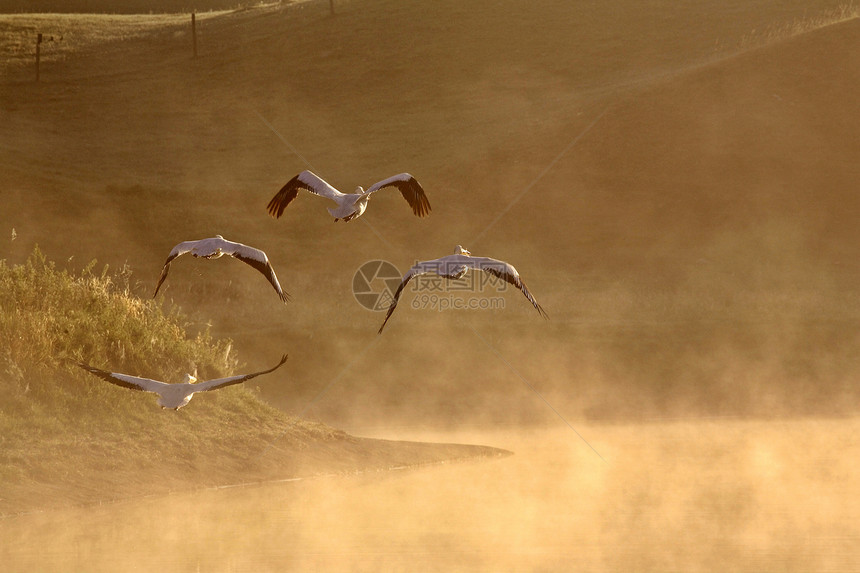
718, 495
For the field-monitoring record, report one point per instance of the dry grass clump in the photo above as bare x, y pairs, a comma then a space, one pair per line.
48, 315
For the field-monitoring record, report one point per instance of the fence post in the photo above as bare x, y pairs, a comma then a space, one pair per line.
194, 32
38, 53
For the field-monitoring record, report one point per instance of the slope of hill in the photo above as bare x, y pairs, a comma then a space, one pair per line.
693, 246
114, 7
69, 438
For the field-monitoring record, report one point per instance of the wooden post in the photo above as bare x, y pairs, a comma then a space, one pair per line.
331, 6
194, 32
38, 54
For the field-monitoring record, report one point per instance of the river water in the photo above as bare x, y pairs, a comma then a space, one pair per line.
716, 495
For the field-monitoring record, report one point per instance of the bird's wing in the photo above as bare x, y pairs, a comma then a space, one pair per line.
178, 250
409, 188
506, 272
420, 268
307, 180
222, 382
126, 381
257, 259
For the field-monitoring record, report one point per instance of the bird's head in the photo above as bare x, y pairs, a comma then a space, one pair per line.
461, 251
191, 378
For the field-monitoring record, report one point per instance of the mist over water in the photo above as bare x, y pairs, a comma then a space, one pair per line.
716, 495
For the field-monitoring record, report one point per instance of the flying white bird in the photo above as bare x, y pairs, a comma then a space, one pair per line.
455, 266
218, 246
173, 396
349, 205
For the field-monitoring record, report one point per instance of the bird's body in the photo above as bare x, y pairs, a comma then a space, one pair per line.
217, 247
173, 396
455, 266
349, 205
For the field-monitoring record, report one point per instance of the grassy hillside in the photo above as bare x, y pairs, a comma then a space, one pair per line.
69, 437
694, 248
120, 6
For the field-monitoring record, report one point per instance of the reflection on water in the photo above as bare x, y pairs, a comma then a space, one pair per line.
685, 496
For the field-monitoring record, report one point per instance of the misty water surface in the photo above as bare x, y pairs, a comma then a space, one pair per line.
685, 496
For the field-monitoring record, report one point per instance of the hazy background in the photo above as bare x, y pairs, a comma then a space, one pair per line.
680, 201
675, 182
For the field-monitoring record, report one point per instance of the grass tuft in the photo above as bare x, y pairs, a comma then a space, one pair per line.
49, 316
